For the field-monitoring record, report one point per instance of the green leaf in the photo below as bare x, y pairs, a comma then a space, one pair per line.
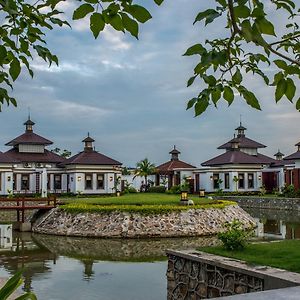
97, 24
280, 89
280, 64
15, 69
130, 25
247, 30
82, 11
209, 15
298, 104
11, 285
3, 54
251, 99
116, 22
158, 2
215, 96
140, 13
290, 89
201, 106
237, 77
195, 49
191, 103
191, 81
228, 94
242, 11
265, 26
210, 80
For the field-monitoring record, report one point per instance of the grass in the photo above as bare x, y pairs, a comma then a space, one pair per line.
138, 199
283, 254
145, 203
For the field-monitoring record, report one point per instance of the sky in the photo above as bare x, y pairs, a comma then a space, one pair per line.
131, 95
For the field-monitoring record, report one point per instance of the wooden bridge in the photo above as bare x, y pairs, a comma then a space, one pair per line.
20, 205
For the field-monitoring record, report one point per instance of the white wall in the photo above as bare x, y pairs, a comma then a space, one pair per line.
137, 181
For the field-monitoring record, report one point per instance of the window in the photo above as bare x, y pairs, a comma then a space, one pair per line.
250, 180
216, 181
100, 181
88, 181
25, 182
15, 182
241, 181
57, 182
227, 183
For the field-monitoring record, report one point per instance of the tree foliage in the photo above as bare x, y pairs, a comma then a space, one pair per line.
250, 44
144, 168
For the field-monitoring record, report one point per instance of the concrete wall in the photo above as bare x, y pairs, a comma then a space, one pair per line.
199, 275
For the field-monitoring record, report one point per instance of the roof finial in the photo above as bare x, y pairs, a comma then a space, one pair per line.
174, 147
88, 134
240, 119
28, 112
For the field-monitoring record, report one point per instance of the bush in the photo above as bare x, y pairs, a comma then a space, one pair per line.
157, 189
175, 189
289, 191
234, 237
130, 190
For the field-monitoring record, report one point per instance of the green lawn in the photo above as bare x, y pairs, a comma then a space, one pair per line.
140, 202
282, 254
138, 199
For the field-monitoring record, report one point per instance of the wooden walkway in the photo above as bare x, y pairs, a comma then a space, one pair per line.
20, 205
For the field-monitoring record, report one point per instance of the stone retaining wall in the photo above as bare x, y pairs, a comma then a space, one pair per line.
198, 275
259, 202
193, 222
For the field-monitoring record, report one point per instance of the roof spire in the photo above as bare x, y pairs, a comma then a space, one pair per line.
88, 143
29, 124
241, 129
174, 154
279, 155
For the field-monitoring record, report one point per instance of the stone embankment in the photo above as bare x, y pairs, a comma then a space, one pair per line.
193, 222
264, 202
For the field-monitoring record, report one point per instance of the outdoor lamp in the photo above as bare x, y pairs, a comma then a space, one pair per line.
201, 193
211, 177
259, 177
8, 178
79, 178
184, 196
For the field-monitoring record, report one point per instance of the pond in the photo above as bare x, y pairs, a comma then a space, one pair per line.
81, 268
61, 268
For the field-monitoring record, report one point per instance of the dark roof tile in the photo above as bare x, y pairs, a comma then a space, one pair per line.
238, 157
244, 142
173, 164
29, 138
91, 158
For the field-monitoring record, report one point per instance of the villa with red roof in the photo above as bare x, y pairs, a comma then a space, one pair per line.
28, 167
240, 167
174, 171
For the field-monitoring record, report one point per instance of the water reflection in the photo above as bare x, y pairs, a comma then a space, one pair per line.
276, 224
103, 264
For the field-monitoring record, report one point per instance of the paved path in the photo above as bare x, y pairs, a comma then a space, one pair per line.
292, 293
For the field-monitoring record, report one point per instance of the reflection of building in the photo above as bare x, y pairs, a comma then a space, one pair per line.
28, 167
5, 236
174, 171
26, 255
238, 168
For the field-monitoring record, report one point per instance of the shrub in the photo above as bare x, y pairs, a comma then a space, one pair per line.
234, 237
289, 191
175, 189
130, 190
157, 189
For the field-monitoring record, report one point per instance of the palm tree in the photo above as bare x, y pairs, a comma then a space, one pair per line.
144, 168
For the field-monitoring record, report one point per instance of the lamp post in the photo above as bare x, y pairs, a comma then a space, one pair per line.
184, 197
202, 193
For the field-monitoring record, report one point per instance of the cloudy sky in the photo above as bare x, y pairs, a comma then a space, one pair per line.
131, 95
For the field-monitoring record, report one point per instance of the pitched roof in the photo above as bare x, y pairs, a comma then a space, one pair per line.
238, 157
173, 164
29, 138
244, 142
174, 151
91, 158
14, 156
293, 156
